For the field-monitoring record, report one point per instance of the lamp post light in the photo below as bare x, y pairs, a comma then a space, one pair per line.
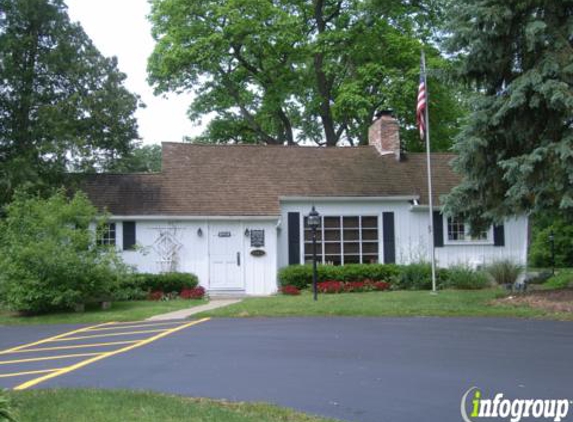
313, 222
552, 242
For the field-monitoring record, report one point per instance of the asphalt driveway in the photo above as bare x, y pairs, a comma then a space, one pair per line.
356, 369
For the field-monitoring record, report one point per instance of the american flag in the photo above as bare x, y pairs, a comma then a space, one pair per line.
421, 108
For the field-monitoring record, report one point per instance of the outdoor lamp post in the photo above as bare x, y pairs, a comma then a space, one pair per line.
313, 222
552, 242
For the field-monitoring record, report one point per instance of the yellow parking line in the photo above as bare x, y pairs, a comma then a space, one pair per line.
53, 338
155, 324
21, 374
86, 362
76, 355
127, 333
76, 346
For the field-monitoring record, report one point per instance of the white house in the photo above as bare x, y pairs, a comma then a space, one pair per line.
234, 214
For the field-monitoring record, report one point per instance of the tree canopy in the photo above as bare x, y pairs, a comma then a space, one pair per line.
290, 71
63, 106
142, 159
515, 152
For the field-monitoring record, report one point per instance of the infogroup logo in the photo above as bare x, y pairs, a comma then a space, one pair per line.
513, 410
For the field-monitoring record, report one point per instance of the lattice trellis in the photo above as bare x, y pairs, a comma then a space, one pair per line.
167, 247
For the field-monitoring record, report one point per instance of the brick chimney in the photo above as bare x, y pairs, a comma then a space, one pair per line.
384, 134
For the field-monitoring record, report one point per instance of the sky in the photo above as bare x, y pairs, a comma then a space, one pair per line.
120, 28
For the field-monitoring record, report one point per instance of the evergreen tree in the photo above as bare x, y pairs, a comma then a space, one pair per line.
63, 105
516, 151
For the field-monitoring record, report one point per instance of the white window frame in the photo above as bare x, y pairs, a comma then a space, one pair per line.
321, 257
488, 241
106, 239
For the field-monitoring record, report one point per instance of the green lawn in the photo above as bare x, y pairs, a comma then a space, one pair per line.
127, 406
120, 311
448, 303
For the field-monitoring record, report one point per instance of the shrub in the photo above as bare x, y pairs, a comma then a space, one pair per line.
138, 286
561, 280
300, 276
48, 257
418, 276
194, 293
464, 277
504, 272
540, 250
290, 290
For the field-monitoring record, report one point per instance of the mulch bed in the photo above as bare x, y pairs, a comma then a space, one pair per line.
549, 300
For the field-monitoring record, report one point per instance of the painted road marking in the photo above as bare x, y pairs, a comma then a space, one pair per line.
76, 346
21, 374
76, 355
128, 333
53, 338
155, 324
103, 355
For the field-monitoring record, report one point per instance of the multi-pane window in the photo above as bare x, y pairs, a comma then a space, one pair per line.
344, 240
106, 234
458, 230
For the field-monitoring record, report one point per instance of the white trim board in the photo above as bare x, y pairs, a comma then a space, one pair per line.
192, 218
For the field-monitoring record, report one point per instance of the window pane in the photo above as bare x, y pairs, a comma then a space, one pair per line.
308, 235
370, 259
351, 235
331, 222
351, 248
351, 222
331, 248
370, 222
370, 234
351, 259
308, 248
331, 234
333, 260
370, 248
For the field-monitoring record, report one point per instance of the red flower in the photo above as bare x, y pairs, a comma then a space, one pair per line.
381, 285
290, 290
156, 295
195, 293
330, 286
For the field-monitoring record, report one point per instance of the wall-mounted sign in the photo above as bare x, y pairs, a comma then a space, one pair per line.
224, 234
258, 252
257, 238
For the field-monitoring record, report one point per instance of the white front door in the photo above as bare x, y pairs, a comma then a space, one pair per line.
226, 256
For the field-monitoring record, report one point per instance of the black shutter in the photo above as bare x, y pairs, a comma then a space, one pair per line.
438, 229
293, 238
499, 235
388, 238
128, 235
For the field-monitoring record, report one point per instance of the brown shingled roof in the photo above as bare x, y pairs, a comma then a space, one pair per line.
235, 180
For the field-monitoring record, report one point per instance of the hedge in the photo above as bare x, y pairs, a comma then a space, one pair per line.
138, 286
300, 276
417, 276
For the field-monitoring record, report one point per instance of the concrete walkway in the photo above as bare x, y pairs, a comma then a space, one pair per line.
185, 313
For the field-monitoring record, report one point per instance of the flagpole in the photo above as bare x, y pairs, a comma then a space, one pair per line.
429, 168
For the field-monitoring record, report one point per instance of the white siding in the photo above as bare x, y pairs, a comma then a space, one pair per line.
259, 273
411, 233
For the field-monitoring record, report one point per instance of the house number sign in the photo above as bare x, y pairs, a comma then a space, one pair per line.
257, 238
224, 234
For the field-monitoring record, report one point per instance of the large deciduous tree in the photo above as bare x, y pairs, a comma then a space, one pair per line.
516, 151
289, 71
63, 105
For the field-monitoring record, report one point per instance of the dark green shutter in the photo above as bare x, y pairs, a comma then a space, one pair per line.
293, 238
499, 235
389, 238
438, 229
128, 235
